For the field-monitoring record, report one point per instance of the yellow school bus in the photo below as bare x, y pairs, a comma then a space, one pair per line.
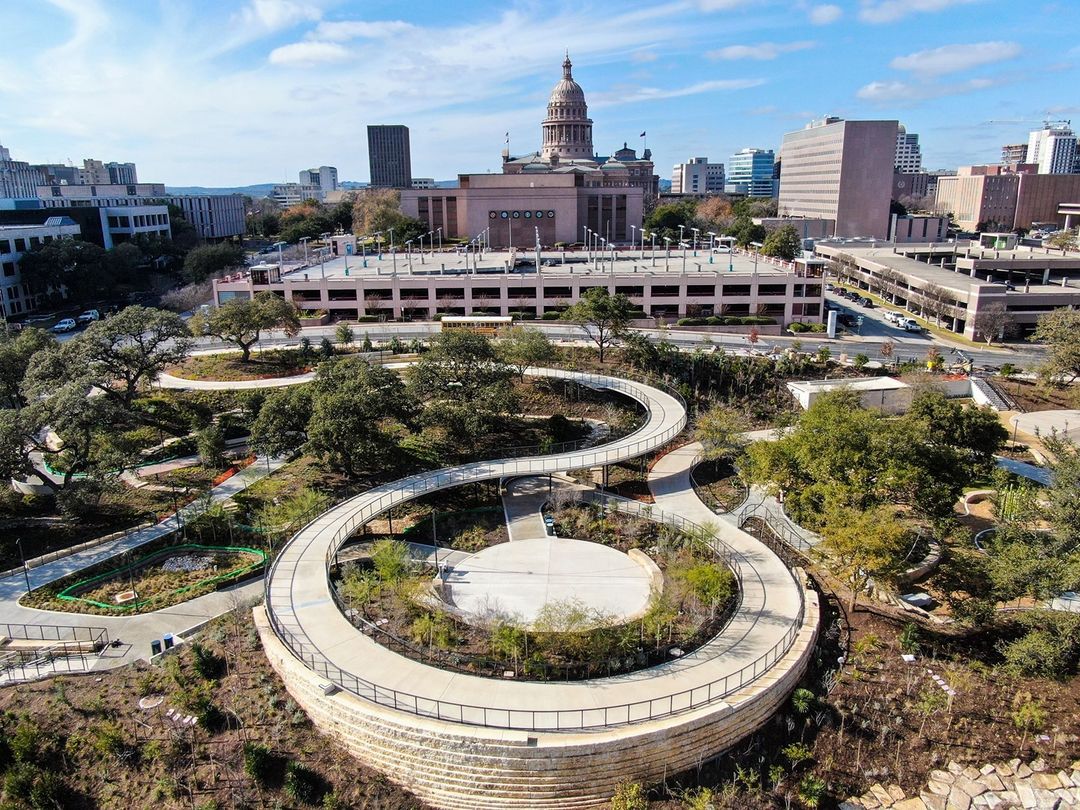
488, 325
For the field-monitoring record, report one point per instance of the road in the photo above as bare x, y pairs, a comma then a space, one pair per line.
875, 331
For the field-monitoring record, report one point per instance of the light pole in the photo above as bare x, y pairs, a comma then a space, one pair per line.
585, 240
667, 253
280, 256
603, 249
695, 230
421, 238
408, 252
26, 571
652, 251
684, 246
680, 234
633, 236
304, 241
643, 244
439, 232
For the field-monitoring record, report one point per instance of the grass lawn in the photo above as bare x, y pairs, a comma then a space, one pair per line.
229, 366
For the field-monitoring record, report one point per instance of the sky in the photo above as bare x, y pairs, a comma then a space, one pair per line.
233, 92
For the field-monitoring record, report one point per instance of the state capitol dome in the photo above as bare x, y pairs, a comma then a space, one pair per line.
567, 128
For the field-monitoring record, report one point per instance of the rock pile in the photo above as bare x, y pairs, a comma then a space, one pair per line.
992, 787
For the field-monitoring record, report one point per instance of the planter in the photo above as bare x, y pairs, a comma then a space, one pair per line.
315, 320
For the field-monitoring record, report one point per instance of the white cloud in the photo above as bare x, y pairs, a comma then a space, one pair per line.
886, 11
357, 29
628, 95
954, 58
762, 51
309, 53
900, 92
825, 14
275, 15
725, 5
641, 57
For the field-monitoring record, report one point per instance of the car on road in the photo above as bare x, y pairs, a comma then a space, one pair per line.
66, 325
866, 302
89, 317
910, 325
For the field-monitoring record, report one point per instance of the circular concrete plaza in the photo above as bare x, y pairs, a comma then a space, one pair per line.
1043, 423
518, 579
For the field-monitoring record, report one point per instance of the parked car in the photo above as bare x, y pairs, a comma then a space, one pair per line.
829, 287
89, 317
910, 325
66, 325
866, 302
847, 320
892, 317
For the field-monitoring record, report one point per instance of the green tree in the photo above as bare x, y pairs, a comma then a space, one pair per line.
784, 243
664, 220
1063, 240
746, 232
358, 415
72, 265
282, 423
463, 381
863, 545
208, 261
391, 560
603, 316
713, 584
242, 321
522, 348
344, 334
16, 351
119, 354
720, 431
1057, 330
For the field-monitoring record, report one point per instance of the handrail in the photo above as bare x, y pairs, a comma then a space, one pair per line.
524, 719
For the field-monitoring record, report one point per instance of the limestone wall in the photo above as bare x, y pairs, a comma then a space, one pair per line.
455, 766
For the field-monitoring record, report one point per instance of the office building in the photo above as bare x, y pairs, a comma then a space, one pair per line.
908, 152
1005, 198
750, 172
388, 156
423, 182
323, 178
1053, 149
18, 179
15, 240
215, 216
94, 196
697, 176
289, 194
106, 226
92, 173
909, 187
1014, 153
843, 171
567, 146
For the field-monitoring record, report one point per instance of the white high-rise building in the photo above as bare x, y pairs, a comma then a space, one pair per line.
697, 176
908, 152
18, 180
323, 178
1053, 148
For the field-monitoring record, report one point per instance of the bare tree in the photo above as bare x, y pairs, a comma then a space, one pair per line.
935, 301
994, 321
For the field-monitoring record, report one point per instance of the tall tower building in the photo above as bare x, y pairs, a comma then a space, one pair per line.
908, 152
388, 156
750, 172
324, 178
1053, 148
567, 128
840, 170
697, 176
1014, 153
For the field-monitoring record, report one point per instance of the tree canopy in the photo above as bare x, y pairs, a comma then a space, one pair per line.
524, 348
207, 261
1058, 330
783, 243
242, 320
603, 316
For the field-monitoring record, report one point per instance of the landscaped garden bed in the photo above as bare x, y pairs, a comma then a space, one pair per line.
396, 601
230, 367
717, 483
157, 578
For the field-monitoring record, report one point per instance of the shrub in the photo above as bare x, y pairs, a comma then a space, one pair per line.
304, 785
367, 318
391, 560
629, 796
207, 664
551, 316
259, 763
811, 790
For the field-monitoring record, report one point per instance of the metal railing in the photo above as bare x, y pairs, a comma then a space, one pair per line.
383, 498
62, 649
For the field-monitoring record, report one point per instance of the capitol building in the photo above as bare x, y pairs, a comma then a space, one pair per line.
568, 146
552, 195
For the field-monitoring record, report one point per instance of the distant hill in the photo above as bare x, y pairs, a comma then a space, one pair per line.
256, 190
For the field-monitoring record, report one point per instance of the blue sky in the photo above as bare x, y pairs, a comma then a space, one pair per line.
231, 92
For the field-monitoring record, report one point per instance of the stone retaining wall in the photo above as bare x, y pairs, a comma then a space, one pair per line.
454, 766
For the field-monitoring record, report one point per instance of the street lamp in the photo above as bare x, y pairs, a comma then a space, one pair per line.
633, 236
695, 230
304, 241
26, 571
667, 255
652, 250
421, 238
680, 234
439, 232
643, 244
684, 246
408, 252
280, 256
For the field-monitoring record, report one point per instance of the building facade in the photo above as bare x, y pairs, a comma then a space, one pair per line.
915, 186
697, 176
15, 240
104, 225
1005, 198
567, 146
289, 194
840, 170
93, 195
324, 178
908, 152
389, 158
1053, 149
750, 172
18, 179
423, 182
1014, 153
215, 216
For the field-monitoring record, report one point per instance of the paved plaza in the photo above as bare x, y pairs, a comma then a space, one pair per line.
518, 579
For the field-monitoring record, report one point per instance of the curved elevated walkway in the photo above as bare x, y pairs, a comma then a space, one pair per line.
461, 740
